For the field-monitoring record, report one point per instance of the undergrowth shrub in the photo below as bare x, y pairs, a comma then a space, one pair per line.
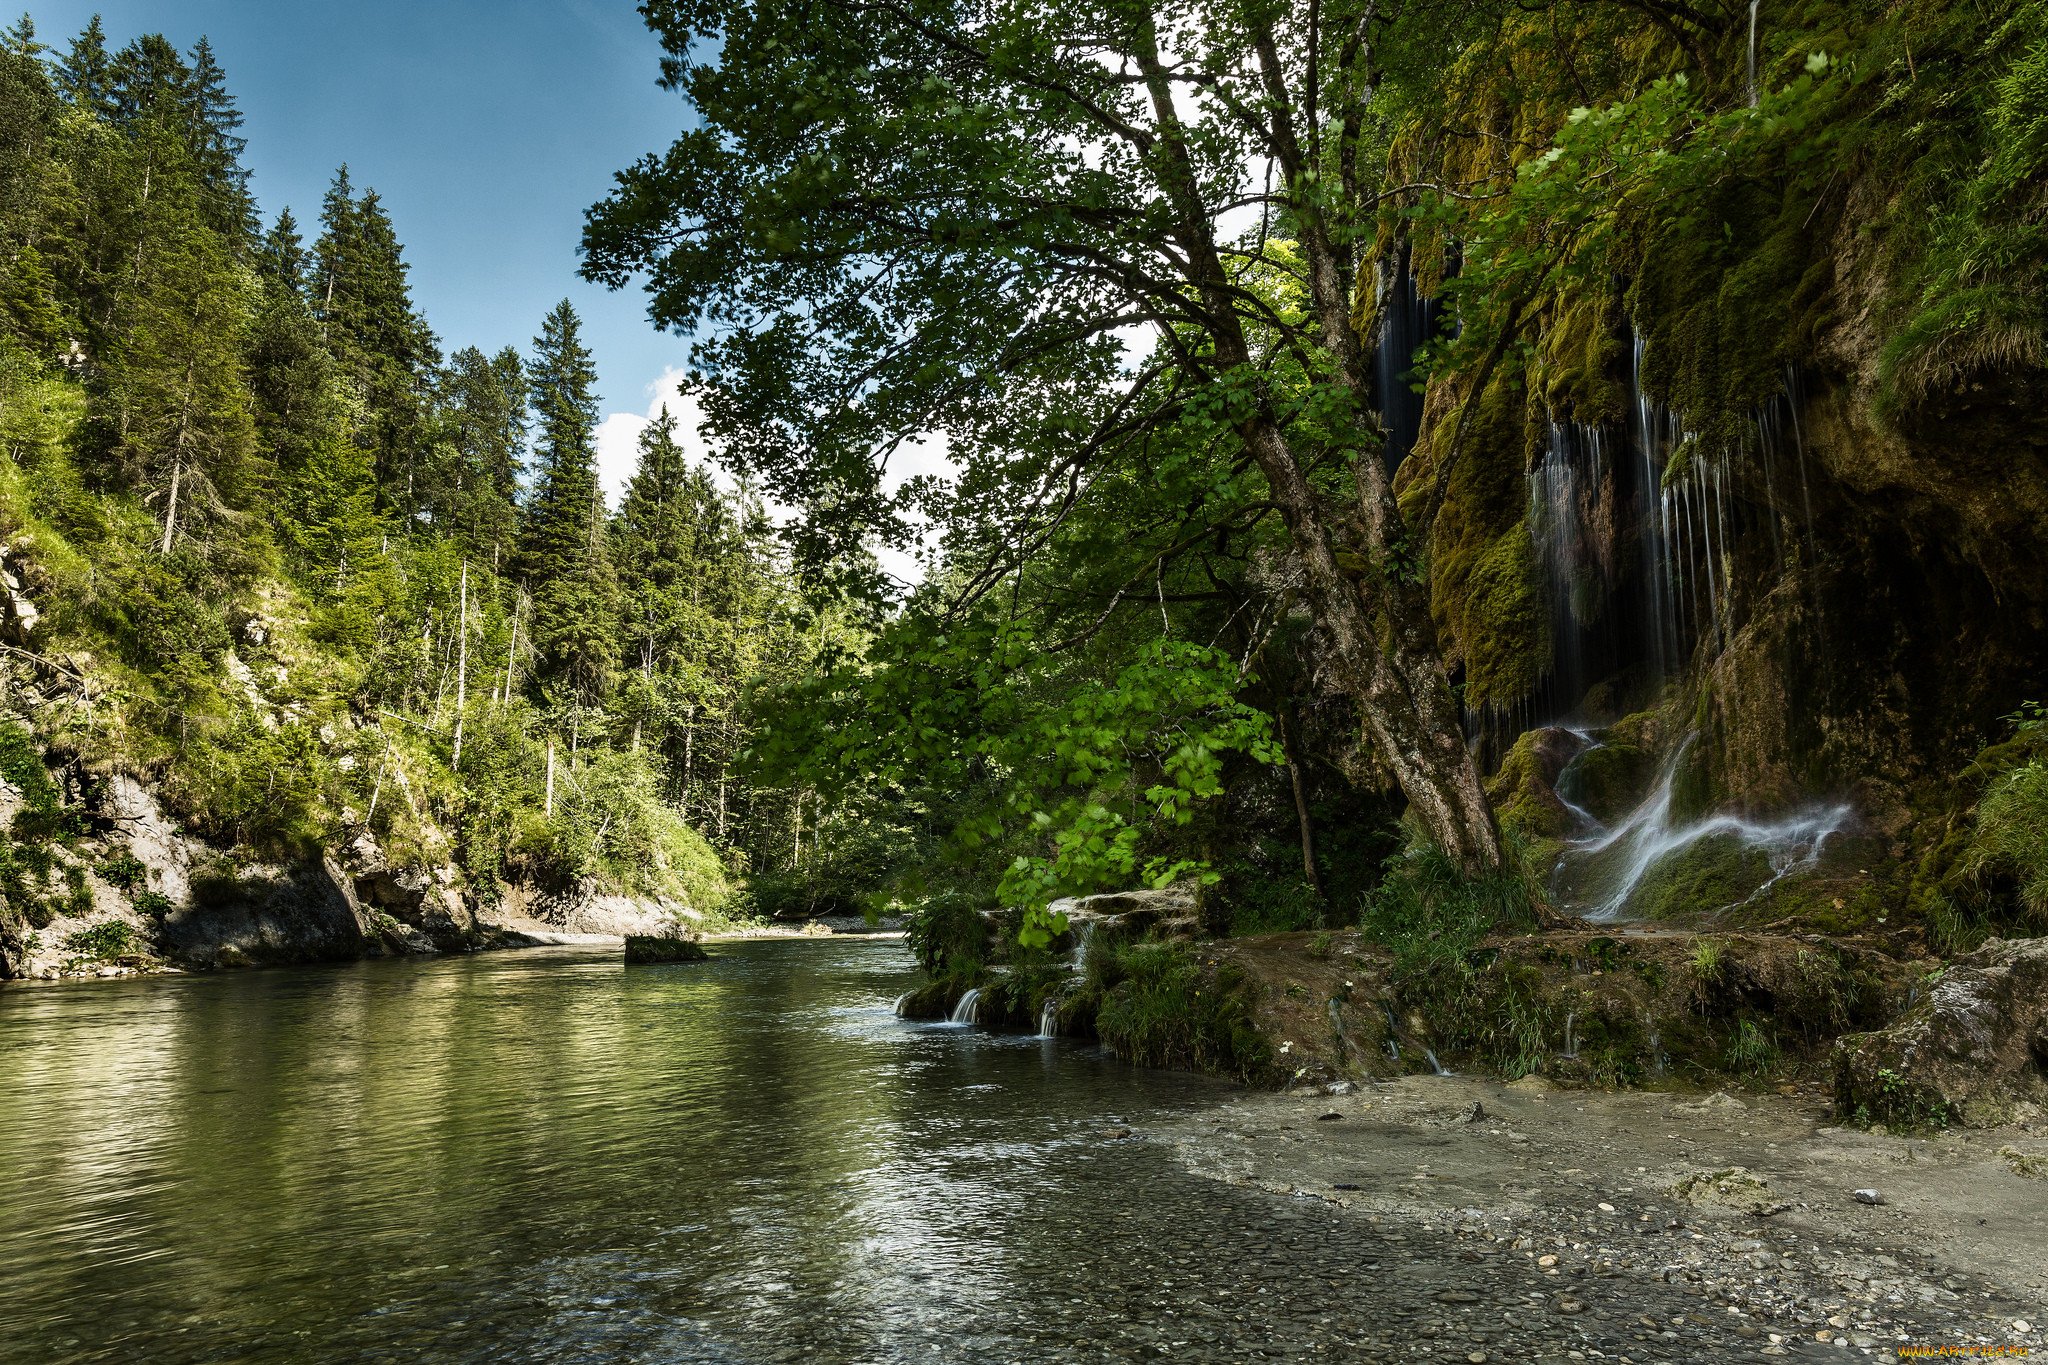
1164, 1010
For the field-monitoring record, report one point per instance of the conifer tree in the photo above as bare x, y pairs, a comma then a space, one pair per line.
151, 82
484, 398
564, 559
282, 257
21, 38
211, 123
86, 74
363, 302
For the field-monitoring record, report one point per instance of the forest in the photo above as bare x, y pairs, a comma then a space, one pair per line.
273, 553
1426, 473
1462, 772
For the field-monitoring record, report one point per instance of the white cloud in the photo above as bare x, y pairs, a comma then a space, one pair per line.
618, 435
618, 455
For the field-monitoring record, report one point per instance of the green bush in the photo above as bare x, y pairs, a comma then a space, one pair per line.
124, 872
1165, 1011
102, 942
2010, 840
948, 935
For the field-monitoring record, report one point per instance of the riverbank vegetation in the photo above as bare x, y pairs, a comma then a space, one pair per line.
1439, 467
271, 550
1450, 472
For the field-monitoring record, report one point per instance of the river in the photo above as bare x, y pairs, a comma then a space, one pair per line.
548, 1156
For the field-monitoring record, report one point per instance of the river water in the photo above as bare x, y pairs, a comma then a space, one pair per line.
547, 1156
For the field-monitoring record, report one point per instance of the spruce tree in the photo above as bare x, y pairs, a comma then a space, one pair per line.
86, 75
282, 257
484, 405
363, 301
564, 559
211, 121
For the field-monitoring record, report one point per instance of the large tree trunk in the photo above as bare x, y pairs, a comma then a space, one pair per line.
1378, 623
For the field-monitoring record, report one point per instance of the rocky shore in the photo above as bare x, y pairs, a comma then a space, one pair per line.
1755, 1224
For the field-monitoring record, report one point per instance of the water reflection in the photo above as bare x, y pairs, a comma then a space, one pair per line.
542, 1156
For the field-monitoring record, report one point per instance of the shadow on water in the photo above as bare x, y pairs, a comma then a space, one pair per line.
546, 1156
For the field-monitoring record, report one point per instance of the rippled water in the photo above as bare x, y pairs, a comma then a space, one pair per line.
545, 1156
548, 1157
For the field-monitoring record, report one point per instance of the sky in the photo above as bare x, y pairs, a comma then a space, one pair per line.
487, 126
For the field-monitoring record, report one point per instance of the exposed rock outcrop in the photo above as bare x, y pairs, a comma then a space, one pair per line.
1972, 1050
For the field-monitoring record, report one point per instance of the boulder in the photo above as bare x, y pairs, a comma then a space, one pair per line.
1973, 1050
1132, 914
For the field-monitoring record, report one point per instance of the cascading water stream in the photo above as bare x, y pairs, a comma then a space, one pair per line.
1084, 943
968, 1010
1602, 871
1049, 1019
1752, 53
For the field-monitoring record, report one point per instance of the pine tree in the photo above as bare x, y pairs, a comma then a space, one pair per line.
564, 559
21, 39
282, 257
175, 405
364, 305
484, 405
86, 75
151, 83
211, 122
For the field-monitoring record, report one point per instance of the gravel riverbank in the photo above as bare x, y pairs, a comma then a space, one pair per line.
1655, 1226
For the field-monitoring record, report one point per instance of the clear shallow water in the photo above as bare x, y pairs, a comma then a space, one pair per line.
547, 1157
543, 1156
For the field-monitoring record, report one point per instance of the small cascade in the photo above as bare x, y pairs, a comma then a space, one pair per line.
1393, 1031
1752, 53
1638, 531
1084, 944
1659, 1062
968, 1010
1602, 871
901, 1001
1571, 1037
1436, 1068
1049, 1019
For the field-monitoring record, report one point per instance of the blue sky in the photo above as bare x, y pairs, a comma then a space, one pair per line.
488, 126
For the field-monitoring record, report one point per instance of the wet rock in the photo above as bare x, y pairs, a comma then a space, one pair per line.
1972, 1051
1733, 1187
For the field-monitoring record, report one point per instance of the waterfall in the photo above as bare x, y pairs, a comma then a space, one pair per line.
1752, 53
1571, 1037
1436, 1068
1658, 1060
1049, 1018
901, 1001
966, 1011
1603, 870
1638, 531
1407, 320
1084, 943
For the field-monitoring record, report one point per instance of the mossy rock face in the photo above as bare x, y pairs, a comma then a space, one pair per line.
1704, 879
644, 948
1608, 780
1524, 791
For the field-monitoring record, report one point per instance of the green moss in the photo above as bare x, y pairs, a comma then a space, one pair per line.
1703, 879
1523, 800
1486, 587
1609, 780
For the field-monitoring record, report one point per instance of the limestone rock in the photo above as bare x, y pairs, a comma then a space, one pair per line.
1972, 1051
